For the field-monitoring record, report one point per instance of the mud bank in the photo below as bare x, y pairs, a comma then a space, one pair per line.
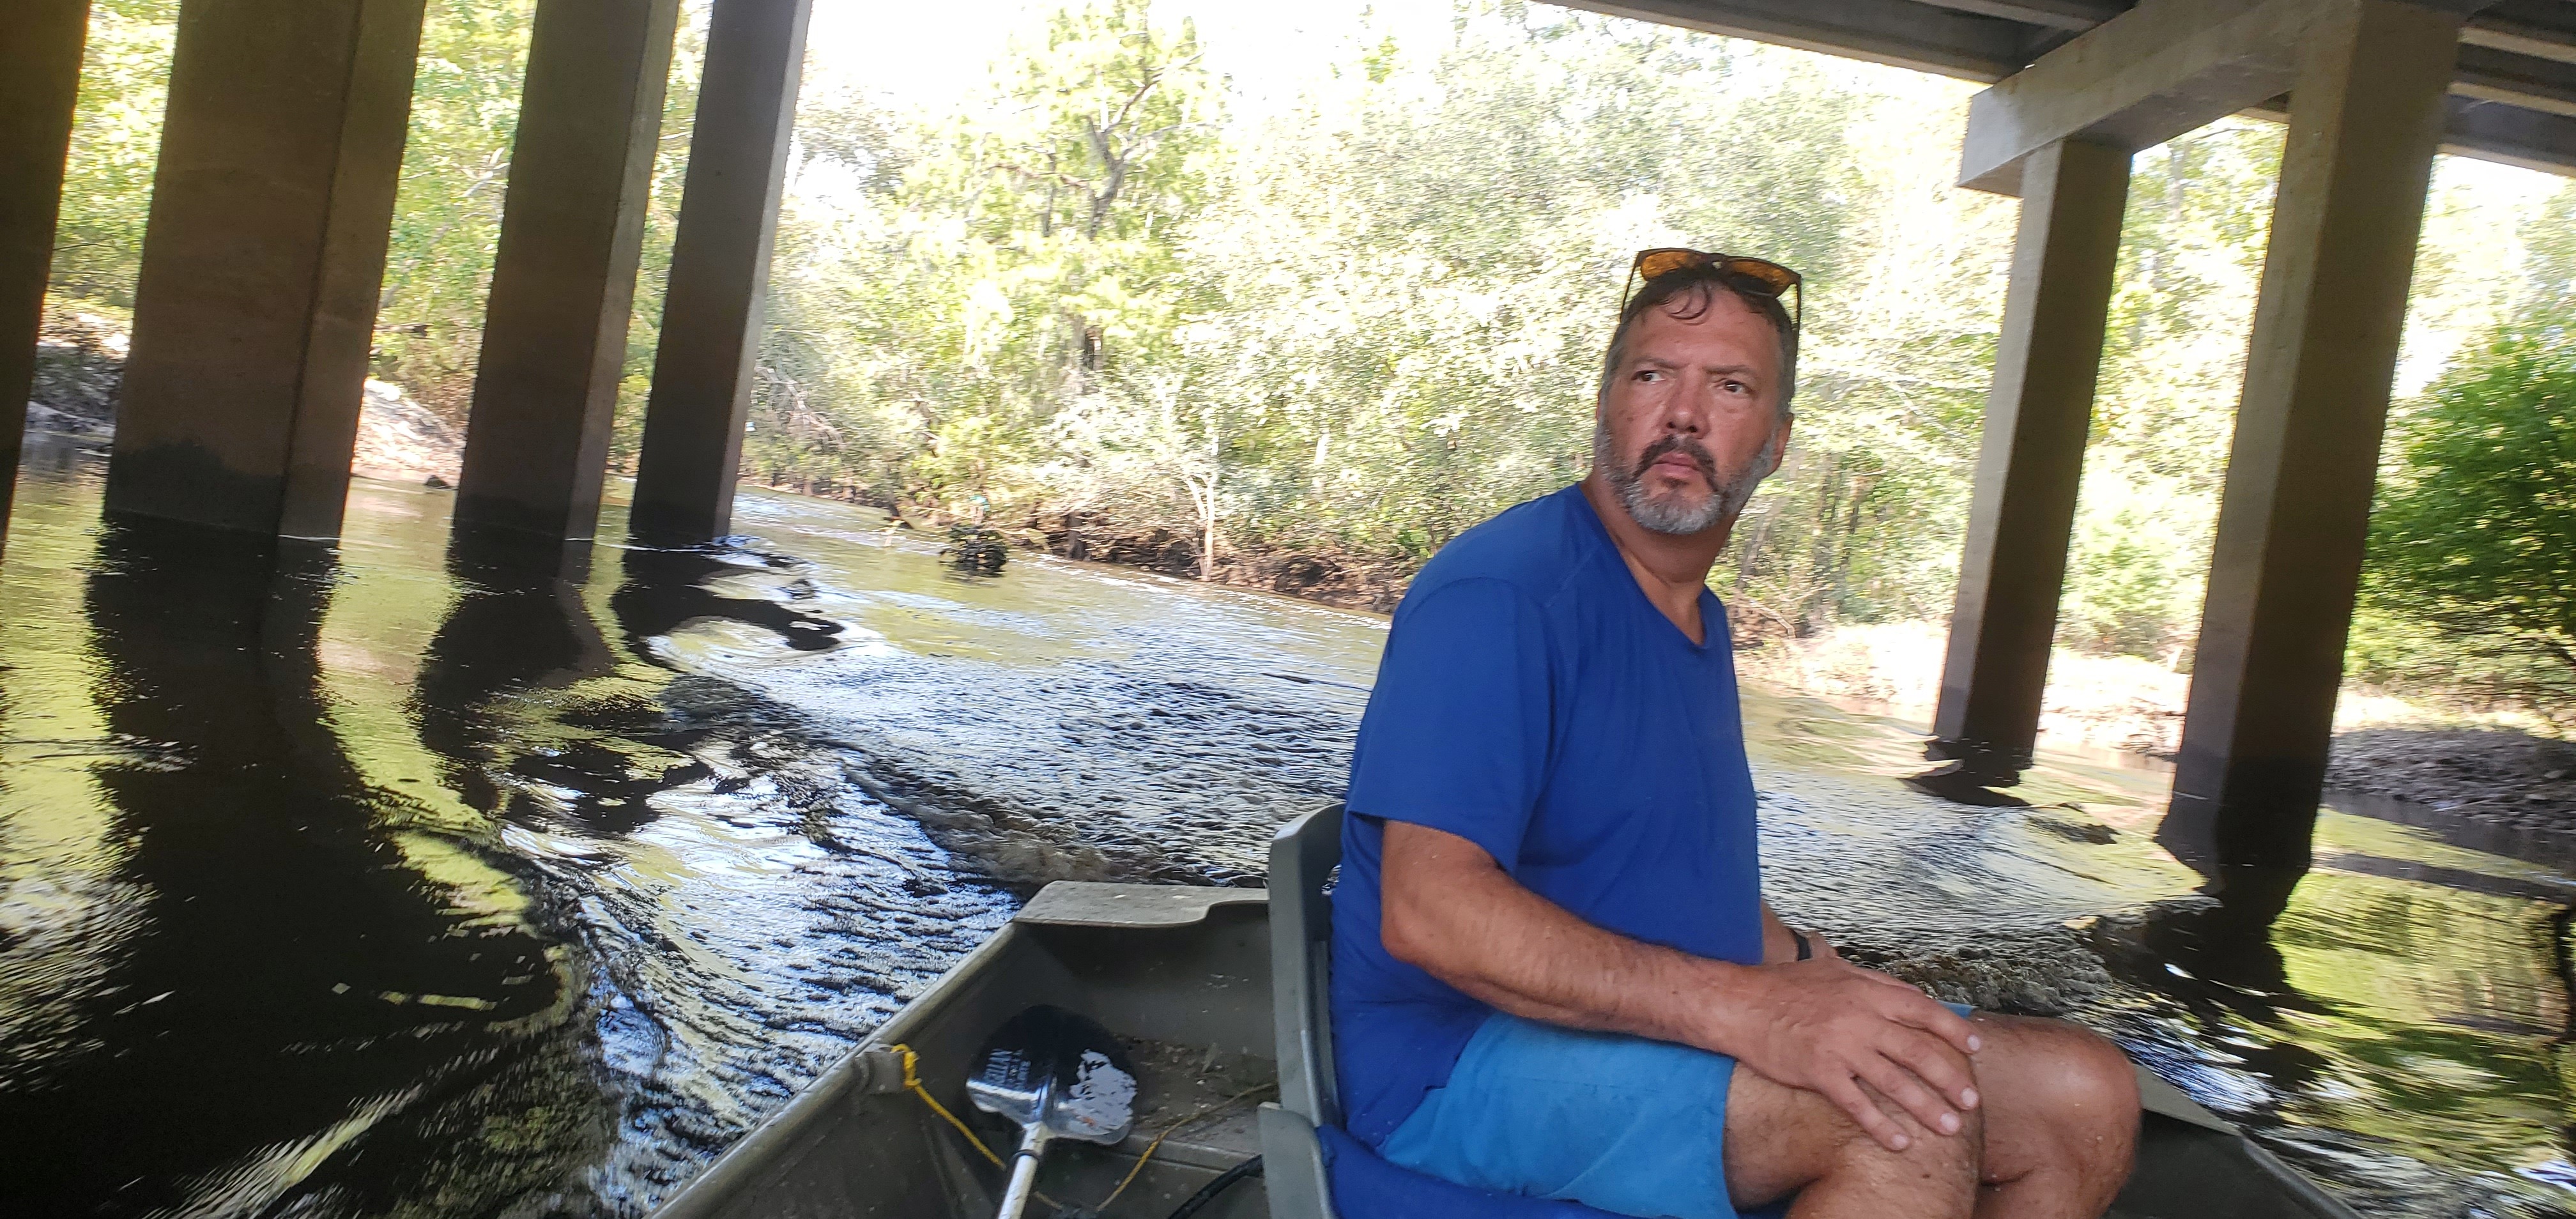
1338, 579
80, 373
2510, 779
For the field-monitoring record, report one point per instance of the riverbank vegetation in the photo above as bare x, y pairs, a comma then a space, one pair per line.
1103, 306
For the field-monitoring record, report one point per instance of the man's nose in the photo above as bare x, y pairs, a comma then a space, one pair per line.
1685, 417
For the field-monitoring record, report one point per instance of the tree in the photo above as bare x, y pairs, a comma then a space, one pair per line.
447, 214
2475, 532
115, 146
996, 266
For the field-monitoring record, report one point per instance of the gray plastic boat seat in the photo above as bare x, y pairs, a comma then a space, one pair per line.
1306, 1119
1302, 858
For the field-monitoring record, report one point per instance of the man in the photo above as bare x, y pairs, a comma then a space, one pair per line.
1554, 974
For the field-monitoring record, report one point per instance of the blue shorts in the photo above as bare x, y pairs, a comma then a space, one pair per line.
1621, 1124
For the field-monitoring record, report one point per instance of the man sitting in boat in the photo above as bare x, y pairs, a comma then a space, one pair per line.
1553, 971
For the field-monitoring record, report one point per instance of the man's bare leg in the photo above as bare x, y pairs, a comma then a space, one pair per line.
1782, 1140
2053, 1140
2061, 1108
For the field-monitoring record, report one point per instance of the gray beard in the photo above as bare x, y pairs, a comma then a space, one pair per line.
1675, 518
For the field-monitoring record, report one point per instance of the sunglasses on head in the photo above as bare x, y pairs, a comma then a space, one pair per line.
1757, 275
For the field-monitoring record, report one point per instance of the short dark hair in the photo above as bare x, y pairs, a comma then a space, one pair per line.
1697, 289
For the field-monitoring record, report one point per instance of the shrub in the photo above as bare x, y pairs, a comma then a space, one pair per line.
2474, 537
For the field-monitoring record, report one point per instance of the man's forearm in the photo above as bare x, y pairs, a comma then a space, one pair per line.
1446, 907
1450, 911
1779, 943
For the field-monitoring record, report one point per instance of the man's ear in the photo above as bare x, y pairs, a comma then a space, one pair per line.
1778, 449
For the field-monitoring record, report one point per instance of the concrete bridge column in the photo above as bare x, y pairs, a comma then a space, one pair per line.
2365, 114
563, 284
2021, 518
40, 65
702, 375
262, 258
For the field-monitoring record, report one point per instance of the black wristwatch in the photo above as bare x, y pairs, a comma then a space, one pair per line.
1806, 951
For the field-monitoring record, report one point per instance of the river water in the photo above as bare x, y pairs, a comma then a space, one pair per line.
416, 880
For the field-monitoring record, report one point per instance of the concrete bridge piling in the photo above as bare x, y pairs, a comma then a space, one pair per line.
563, 284
265, 248
39, 84
702, 372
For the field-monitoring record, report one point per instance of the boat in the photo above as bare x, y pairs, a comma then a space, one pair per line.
1217, 995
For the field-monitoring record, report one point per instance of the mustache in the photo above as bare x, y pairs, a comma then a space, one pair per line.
1697, 452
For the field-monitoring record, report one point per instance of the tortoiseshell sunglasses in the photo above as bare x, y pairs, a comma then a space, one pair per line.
1754, 274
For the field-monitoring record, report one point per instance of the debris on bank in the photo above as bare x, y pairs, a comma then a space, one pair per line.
80, 370
2507, 778
400, 440
975, 548
1343, 581
80, 373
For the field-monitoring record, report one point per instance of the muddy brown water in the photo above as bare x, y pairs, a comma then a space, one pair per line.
410, 879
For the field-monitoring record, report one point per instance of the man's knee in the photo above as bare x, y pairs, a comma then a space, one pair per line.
2099, 1090
2092, 1087
2081, 1091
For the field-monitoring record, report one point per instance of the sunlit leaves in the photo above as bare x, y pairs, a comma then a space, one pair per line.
2476, 529
116, 142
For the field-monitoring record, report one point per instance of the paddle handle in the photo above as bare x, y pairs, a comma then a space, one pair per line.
1024, 1173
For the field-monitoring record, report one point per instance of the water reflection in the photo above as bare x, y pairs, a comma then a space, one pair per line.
517, 633
666, 590
692, 822
313, 1001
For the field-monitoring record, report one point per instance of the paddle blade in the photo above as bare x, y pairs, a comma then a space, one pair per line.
1058, 1069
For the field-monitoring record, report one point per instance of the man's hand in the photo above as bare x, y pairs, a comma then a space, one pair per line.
1869, 1043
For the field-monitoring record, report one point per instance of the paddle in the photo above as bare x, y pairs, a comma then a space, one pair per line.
1059, 1076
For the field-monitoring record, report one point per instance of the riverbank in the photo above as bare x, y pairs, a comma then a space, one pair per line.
1343, 581
80, 372
2507, 768
2510, 779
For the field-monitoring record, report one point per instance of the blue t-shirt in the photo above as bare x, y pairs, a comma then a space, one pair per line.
1534, 702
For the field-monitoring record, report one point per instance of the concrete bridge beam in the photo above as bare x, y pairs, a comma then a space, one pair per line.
2022, 515
2366, 112
563, 284
711, 321
262, 258
40, 67
2159, 70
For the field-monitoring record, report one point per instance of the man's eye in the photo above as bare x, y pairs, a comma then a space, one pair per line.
1735, 387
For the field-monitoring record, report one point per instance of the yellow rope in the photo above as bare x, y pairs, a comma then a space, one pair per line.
1169, 1131
912, 1083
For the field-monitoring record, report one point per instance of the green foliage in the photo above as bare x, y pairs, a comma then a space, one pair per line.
116, 142
447, 215
2173, 362
1361, 326
982, 272
2475, 531
2549, 288
2133, 578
